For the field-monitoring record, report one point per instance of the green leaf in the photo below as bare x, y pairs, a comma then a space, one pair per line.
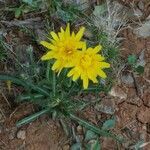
132, 59
138, 145
18, 12
94, 128
29, 2
93, 145
140, 69
76, 146
31, 118
90, 135
28, 97
65, 127
26, 9
100, 10
96, 145
108, 124
25, 84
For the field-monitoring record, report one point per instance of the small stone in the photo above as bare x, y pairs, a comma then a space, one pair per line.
66, 147
21, 134
141, 5
116, 91
11, 136
127, 79
79, 129
148, 17
138, 13
141, 61
143, 115
12, 133
144, 30
106, 106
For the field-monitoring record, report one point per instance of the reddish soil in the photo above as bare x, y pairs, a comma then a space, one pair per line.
40, 134
132, 110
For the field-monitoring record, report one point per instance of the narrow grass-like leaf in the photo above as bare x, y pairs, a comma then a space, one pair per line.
96, 145
48, 70
31, 118
65, 127
27, 85
94, 128
28, 97
14, 80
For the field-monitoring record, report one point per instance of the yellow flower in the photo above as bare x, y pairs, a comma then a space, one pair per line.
89, 66
63, 48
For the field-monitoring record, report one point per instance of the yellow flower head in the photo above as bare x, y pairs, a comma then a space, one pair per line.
63, 48
89, 66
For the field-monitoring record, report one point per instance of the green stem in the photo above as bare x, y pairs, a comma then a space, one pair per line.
48, 71
23, 83
94, 128
54, 84
28, 97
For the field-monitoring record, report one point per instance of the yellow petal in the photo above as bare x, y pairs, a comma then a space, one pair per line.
62, 30
81, 45
9, 83
84, 46
92, 76
47, 45
54, 35
99, 57
73, 35
60, 35
56, 66
75, 76
80, 33
67, 32
102, 74
104, 65
97, 49
71, 72
48, 56
85, 82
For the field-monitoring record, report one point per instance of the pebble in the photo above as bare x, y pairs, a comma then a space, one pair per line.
127, 79
12, 133
21, 134
106, 106
141, 5
138, 13
143, 30
116, 91
79, 129
66, 147
11, 136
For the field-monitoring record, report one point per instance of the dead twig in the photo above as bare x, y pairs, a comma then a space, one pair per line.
5, 99
31, 23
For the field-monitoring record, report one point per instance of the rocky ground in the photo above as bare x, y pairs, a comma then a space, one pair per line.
128, 100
